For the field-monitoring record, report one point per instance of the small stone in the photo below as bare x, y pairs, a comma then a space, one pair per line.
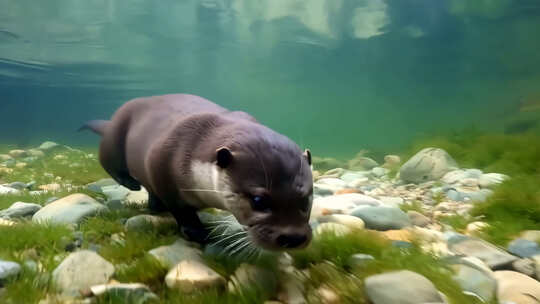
35, 153
147, 221
379, 172
137, 197
346, 190
342, 203
5, 157
18, 153
523, 248
475, 227
361, 163
71, 209
328, 296
359, 260
81, 270
398, 235
4, 222
391, 201
335, 228
494, 257
350, 221
391, 161
51, 187
8, 269
525, 266
20, 165
8, 190
531, 235
98, 185
514, 287
382, 218
18, 185
115, 192
48, 145
133, 293
189, 276
20, 209
173, 254
491, 180
404, 287
418, 219
536, 260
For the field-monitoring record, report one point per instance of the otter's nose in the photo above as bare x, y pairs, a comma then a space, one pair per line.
291, 240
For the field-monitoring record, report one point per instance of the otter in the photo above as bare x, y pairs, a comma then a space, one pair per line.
190, 153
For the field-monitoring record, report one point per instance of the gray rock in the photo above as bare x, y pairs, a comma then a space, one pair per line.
355, 175
173, 254
490, 180
426, 165
147, 221
382, 218
115, 192
536, 260
379, 172
404, 287
81, 270
133, 293
17, 185
98, 185
48, 146
494, 257
8, 190
8, 269
525, 266
71, 209
359, 260
418, 219
464, 196
476, 281
361, 163
514, 287
20, 209
523, 248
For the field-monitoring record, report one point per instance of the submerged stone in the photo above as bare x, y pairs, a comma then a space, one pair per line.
427, 165
382, 217
494, 257
81, 270
20, 209
71, 209
190, 276
8, 269
404, 287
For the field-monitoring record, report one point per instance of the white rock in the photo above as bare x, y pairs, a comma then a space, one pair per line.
190, 275
173, 254
517, 288
332, 182
20, 209
335, 228
393, 201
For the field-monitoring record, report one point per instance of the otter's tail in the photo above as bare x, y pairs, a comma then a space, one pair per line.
96, 126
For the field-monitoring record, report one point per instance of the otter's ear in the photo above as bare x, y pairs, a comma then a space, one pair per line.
307, 154
224, 157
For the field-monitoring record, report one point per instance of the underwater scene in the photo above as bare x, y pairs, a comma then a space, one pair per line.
270, 151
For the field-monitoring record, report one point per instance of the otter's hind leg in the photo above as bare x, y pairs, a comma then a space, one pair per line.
155, 204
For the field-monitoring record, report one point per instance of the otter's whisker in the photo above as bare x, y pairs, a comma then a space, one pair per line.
239, 248
232, 236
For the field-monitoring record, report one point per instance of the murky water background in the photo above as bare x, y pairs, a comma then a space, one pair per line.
335, 75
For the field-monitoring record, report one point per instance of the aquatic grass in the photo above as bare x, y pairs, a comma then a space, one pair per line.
27, 287
513, 207
134, 245
46, 239
456, 221
415, 205
248, 295
146, 270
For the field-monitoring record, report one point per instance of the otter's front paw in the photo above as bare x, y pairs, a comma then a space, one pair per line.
198, 235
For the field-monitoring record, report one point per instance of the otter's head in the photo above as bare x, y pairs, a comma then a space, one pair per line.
271, 187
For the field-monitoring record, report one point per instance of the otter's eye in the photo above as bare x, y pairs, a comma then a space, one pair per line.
260, 203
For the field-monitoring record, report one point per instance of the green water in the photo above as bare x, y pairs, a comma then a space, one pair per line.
336, 76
